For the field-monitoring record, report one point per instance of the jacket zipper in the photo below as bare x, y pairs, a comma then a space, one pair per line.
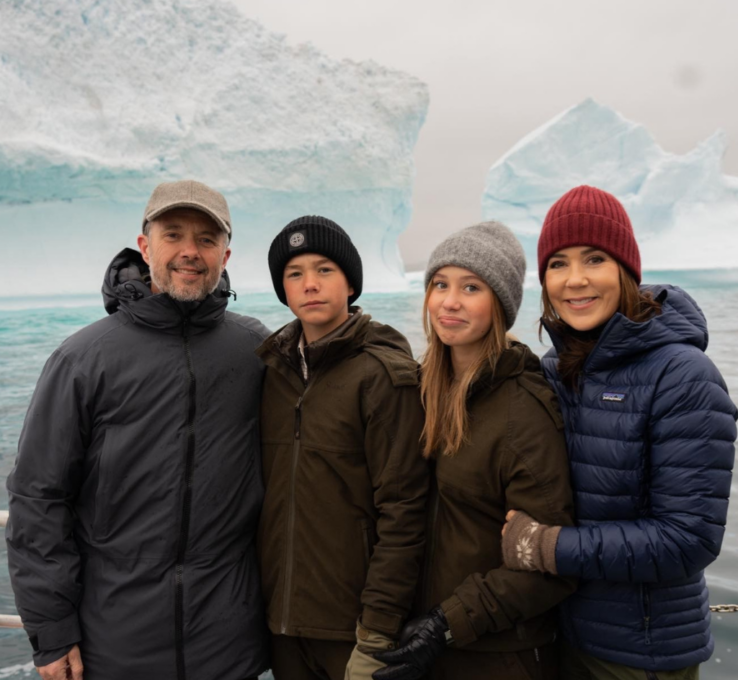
646, 612
186, 507
291, 518
608, 326
645, 509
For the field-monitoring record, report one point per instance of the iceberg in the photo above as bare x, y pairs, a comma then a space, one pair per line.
104, 100
683, 209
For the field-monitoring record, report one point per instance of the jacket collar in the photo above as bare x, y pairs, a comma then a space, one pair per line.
349, 337
126, 289
514, 361
681, 321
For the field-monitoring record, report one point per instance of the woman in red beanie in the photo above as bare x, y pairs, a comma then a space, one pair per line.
650, 430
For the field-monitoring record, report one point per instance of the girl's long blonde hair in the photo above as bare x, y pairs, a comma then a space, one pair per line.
443, 393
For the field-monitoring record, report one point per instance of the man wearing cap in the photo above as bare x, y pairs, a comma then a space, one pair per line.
135, 496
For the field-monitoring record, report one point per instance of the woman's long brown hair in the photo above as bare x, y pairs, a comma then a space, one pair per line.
634, 305
443, 393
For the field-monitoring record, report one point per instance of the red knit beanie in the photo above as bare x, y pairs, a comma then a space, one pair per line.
586, 216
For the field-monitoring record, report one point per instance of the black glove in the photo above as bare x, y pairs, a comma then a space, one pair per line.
421, 641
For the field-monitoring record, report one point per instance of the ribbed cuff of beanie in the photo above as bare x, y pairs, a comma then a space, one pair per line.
588, 216
594, 231
315, 234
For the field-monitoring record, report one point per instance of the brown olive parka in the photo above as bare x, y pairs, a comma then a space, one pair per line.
341, 534
514, 458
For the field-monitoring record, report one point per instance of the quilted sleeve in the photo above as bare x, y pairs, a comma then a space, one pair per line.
691, 434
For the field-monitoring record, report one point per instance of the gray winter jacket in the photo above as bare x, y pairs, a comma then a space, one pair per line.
135, 497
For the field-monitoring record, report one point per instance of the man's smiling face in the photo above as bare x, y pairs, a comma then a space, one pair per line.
186, 252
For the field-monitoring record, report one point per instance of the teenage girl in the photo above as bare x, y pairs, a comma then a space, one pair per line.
493, 433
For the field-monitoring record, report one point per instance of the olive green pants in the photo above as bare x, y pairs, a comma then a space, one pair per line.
297, 658
576, 665
530, 664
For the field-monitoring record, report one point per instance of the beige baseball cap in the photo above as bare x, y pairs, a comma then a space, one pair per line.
188, 193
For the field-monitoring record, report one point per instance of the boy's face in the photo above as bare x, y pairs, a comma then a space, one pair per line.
317, 293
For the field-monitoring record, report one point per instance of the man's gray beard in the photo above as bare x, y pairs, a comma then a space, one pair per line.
185, 293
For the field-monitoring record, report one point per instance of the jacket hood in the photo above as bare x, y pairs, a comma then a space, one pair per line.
681, 321
127, 289
516, 362
512, 362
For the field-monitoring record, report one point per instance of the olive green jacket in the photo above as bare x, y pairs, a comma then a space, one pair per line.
514, 458
341, 534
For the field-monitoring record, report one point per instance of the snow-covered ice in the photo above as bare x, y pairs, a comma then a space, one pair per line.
683, 209
103, 100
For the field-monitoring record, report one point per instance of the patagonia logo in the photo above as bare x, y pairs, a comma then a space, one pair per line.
297, 239
613, 396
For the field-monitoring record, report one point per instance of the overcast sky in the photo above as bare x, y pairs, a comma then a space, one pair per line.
497, 70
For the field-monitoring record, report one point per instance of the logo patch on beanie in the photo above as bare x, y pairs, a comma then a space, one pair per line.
297, 239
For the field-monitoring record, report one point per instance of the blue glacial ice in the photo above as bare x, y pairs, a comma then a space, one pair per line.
683, 209
103, 100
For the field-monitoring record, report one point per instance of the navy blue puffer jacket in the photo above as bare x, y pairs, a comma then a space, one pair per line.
650, 437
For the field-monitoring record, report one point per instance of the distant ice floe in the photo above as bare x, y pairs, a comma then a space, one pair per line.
683, 209
103, 100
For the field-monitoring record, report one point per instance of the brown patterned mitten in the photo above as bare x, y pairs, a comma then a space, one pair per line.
528, 545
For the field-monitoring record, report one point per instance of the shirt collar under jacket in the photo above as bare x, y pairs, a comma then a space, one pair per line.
301, 352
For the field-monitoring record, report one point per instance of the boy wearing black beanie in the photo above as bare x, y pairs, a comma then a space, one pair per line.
342, 526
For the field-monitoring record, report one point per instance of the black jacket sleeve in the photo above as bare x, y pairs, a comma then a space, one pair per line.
43, 557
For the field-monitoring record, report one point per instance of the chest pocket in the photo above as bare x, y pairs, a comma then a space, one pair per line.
105, 485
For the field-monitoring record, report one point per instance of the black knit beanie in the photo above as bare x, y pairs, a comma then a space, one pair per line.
314, 234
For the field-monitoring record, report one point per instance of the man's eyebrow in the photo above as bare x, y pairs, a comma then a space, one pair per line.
293, 266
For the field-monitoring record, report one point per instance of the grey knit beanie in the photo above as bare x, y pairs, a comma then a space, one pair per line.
492, 252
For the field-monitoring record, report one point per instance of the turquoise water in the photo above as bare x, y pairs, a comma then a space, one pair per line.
30, 329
